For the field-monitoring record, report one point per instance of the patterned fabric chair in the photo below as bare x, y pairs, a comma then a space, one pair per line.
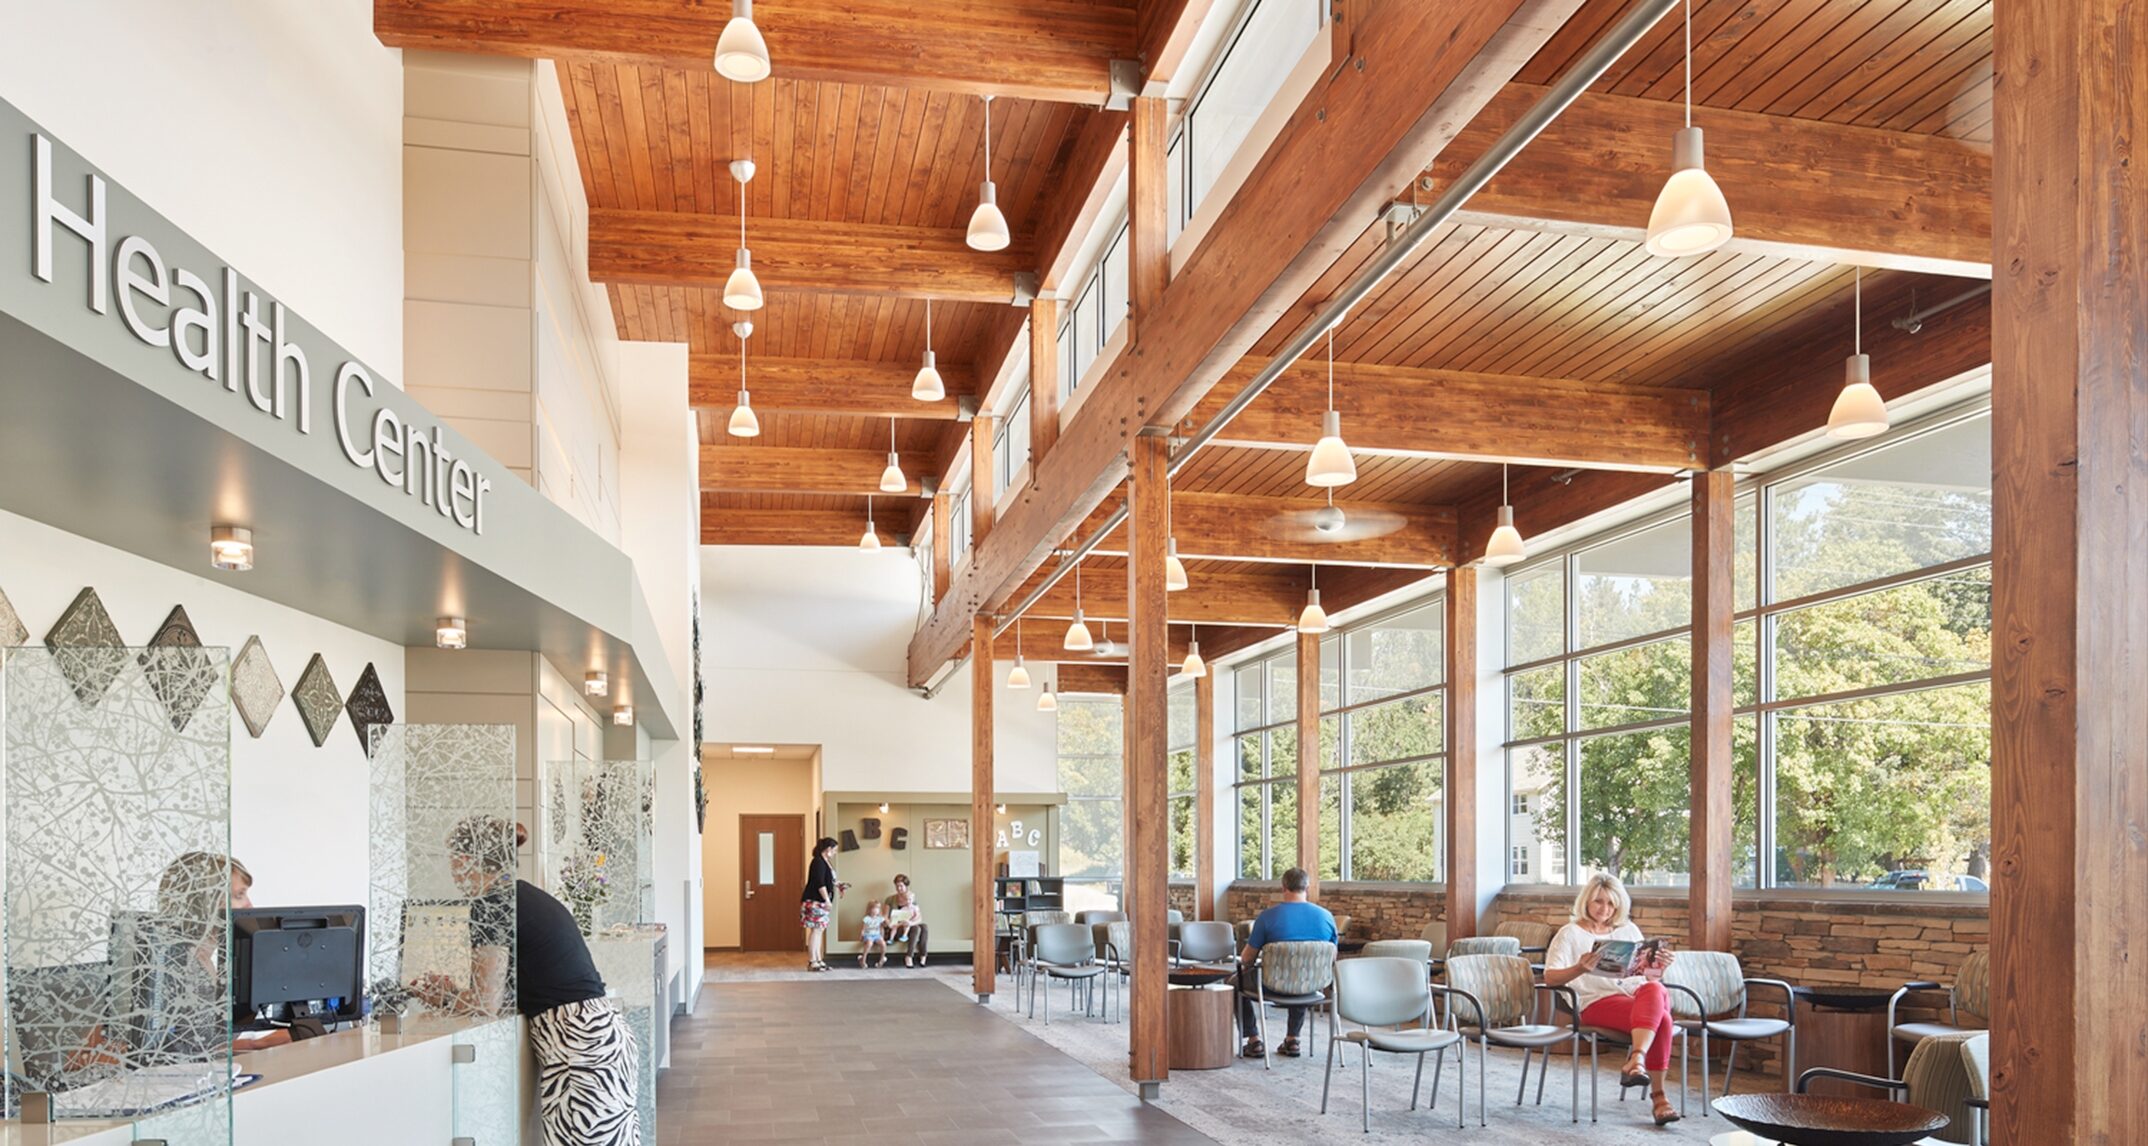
1491, 999
1485, 945
1535, 937
1970, 996
1708, 994
1380, 994
1945, 1073
1415, 950
1291, 973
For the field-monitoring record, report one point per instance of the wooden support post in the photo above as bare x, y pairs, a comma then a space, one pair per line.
984, 490
1148, 211
2069, 619
1715, 555
1204, 796
1461, 803
1309, 758
983, 944
1043, 380
943, 521
1148, 855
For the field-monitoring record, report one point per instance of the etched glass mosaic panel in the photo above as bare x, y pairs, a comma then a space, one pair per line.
487, 1089
118, 884
627, 961
596, 856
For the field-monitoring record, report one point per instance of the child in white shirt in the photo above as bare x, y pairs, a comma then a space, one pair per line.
872, 934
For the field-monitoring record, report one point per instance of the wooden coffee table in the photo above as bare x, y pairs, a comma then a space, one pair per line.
1197, 1019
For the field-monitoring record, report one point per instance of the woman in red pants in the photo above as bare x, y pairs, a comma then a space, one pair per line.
1637, 1003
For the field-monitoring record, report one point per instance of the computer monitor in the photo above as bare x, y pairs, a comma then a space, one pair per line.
297, 962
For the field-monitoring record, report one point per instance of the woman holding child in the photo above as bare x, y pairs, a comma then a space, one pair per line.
1637, 1004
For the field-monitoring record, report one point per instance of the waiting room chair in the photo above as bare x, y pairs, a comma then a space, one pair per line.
1118, 956
1946, 1073
1025, 946
1490, 1000
1599, 1037
1435, 933
1970, 995
1379, 994
1095, 921
1535, 938
1342, 926
1288, 973
1065, 951
1709, 995
1485, 945
1204, 943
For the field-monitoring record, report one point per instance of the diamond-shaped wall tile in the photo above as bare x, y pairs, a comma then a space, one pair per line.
368, 706
12, 632
256, 690
180, 673
317, 699
87, 647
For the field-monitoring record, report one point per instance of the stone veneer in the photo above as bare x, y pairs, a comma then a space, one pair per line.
1863, 939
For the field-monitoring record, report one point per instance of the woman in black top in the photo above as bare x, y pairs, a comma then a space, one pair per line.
525, 944
814, 903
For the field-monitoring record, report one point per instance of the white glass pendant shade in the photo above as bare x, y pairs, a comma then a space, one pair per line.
1078, 638
741, 53
1046, 702
1859, 411
1174, 570
891, 479
1691, 216
1505, 546
1330, 464
1193, 665
742, 291
927, 386
988, 228
1018, 676
870, 540
1313, 619
744, 423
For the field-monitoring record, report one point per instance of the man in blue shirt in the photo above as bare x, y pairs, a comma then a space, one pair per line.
1293, 919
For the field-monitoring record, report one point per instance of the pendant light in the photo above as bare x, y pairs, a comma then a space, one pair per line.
1078, 639
870, 542
742, 291
1018, 676
1194, 665
1505, 547
744, 422
1330, 464
891, 479
1104, 645
1314, 619
1859, 411
741, 53
1046, 702
928, 387
988, 228
1690, 216
1174, 570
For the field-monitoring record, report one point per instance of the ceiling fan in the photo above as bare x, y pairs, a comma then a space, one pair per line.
1331, 524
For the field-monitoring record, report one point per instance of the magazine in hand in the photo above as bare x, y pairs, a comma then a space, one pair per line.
1623, 958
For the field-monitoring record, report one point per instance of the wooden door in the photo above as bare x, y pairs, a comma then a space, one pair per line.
771, 864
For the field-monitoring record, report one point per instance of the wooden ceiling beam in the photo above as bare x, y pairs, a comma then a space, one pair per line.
667, 248
1413, 412
1056, 50
1263, 598
796, 469
1238, 527
1357, 139
828, 386
1797, 187
1164, 31
799, 527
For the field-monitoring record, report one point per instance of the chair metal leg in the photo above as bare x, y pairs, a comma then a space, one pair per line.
1482, 1069
1729, 1068
1543, 1070
1594, 1078
1790, 1052
1267, 1053
1327, 1077
1573, 1101
1364, 1084
1706, 1062
1439, 1068
1522, 1091
1417, 1080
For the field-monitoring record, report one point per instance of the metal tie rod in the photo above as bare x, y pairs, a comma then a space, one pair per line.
1569, 87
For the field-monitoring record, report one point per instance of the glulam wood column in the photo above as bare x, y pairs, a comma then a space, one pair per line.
983, 942
1204, 795
984, 486
1309, 759
1714, 567
1148, 210
1148, 855
1460, 807
2069, 899
942, 545
1043, 380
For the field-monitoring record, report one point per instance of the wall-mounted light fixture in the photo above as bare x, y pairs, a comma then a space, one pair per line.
596, 684
623, 714
451, 633
231, 548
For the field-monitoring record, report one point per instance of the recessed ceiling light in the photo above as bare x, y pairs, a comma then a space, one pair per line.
755, 749
451, 633
231, 548
623, 714
596, 684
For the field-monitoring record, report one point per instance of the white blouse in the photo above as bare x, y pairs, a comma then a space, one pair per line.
1573, 944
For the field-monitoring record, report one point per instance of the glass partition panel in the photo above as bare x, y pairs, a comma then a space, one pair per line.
118, 883
593, 828
631, 964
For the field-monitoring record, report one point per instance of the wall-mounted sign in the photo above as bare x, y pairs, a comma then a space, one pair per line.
235, 336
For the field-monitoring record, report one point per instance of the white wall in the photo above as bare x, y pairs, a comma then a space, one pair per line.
805, 645
299, 813
271, 132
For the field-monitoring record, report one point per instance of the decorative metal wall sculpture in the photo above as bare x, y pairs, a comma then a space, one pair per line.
87, 647
317, 699
12, 632
175, 674
368, 707
255, 688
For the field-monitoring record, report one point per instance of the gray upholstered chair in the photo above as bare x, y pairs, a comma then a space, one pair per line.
1708, 992
1491, 1000
1288, 973
1065, 951
1415, 950
1118, 957
1025, 943
1205, 943
1435, 933
1968, 1005
1945, 1073
1485, 945
1381, 994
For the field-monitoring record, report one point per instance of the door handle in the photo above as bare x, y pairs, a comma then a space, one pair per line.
749, 889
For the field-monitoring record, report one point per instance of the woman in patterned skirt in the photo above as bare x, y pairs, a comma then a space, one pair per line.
817, 900
526, 942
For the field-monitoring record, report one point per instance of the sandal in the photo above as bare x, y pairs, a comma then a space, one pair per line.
1632, 1075
1253, 1049
1289, 1048
1664, 1112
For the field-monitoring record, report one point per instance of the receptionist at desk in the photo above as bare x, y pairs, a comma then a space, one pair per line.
192, 893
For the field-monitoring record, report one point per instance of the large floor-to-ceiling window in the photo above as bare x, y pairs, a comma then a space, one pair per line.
1092, 749
1862, 680
1264, 724
1184, 736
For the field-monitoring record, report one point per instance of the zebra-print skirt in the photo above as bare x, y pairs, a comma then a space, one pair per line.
586, 1075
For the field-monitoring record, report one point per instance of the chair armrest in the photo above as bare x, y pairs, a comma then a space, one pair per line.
1699, 1007
1789, 994
1851, 1076
1534, 950
1565, 995
1171, 947
1977, 1103
1475, 1004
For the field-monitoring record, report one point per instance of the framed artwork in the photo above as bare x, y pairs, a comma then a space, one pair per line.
941, 834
